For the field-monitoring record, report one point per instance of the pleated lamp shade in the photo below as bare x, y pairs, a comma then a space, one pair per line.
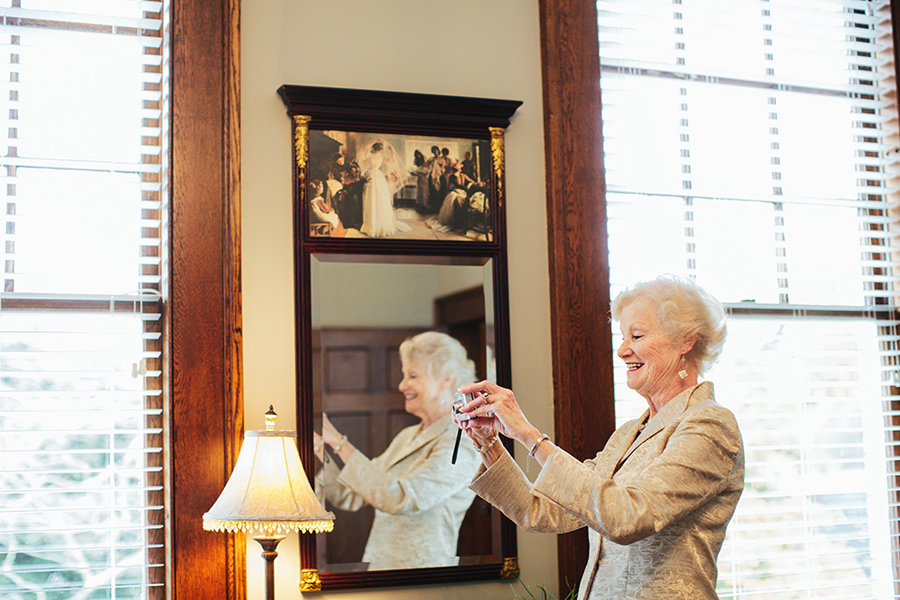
268, 490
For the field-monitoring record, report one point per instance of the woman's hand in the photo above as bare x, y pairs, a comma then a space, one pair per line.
495, 407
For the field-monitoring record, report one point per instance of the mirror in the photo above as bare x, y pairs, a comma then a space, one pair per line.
360, 310
361, 313
359, 297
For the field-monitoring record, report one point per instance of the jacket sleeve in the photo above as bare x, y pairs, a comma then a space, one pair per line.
431, 481
336, 492
694, 465
505, 486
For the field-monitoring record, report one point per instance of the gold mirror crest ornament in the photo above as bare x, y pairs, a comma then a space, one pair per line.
497, 154
301, 144
510, 568
309, 580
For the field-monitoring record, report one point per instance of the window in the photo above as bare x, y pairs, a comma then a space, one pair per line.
81, 498
697, 111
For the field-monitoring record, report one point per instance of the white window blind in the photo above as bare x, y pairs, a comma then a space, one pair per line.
81, 482
752, 145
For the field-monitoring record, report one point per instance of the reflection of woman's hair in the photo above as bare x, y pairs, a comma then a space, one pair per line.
377, 147
683, 310
418, 158
443, 355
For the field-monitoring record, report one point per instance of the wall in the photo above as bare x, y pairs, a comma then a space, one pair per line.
481, 48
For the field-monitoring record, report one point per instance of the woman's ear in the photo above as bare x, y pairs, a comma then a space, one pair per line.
689, 344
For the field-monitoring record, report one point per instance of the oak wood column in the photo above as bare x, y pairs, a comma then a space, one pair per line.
203, 320
576, 229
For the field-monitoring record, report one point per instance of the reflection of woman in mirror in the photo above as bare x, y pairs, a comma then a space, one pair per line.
384, 176
420, 497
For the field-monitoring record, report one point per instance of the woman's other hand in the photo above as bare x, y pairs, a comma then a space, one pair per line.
496, 407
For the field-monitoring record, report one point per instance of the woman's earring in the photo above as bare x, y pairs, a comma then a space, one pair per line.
683, 372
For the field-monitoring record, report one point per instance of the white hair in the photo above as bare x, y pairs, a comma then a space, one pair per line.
441, 354
684, 310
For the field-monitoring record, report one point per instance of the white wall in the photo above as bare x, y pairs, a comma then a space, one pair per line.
480, 48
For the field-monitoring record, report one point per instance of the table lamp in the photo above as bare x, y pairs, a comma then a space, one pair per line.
268, 492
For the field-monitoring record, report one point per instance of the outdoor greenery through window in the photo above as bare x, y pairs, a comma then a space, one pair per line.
81, 496
752, 145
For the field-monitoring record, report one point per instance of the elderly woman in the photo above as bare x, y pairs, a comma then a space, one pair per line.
420, 497
658, 497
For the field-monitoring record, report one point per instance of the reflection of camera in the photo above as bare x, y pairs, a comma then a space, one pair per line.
460, 400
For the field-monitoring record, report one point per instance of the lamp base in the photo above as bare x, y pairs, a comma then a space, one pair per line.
268, 543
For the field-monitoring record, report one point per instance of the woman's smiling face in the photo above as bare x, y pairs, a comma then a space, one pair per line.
653, 359
421, 391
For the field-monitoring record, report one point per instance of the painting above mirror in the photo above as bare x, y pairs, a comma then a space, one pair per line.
380, 185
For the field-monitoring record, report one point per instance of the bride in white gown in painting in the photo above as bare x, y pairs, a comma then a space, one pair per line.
384, 176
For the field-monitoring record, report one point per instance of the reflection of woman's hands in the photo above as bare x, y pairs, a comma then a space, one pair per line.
318, 447
505, 414
330, 433
336, 440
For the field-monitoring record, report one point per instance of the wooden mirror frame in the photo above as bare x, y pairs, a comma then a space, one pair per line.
318, 108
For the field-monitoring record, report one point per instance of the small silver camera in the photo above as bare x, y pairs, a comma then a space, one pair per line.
460, 400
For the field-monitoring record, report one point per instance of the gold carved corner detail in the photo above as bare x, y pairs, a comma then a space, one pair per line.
510, 568
309, 580
301, 144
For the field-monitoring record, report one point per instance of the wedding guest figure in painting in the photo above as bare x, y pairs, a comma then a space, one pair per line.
657, 499
468, 166
350, 205
435, 166
421, 172
455, 208
384, 176
322, 212
446, 163
420, 497
333, 177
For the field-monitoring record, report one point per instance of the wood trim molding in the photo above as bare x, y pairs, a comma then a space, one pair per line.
576, 229
203, 320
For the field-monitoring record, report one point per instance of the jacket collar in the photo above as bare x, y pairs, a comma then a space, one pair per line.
418, 437
670, 412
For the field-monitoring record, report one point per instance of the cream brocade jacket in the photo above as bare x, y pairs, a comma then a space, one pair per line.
420, 497
656, 502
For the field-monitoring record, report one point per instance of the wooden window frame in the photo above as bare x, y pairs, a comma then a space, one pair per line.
203, 373
583, 400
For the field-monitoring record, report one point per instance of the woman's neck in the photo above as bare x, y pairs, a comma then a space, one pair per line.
432, 417
658, 401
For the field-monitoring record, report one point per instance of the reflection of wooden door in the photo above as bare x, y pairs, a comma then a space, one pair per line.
358, 371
